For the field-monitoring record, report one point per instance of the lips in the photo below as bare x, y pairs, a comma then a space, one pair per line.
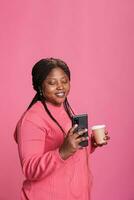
60, 94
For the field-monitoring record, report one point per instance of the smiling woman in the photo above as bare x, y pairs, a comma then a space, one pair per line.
56, 86
55, 166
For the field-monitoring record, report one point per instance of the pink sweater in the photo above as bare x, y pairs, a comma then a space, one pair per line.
48, 176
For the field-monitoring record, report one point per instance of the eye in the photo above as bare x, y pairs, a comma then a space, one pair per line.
64, 81
52, 82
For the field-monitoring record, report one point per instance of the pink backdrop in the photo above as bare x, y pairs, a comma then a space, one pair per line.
96, 38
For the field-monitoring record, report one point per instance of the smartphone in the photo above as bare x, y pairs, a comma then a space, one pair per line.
82, 121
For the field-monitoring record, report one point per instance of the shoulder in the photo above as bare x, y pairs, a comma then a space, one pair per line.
35, 115
32, 123
35, 112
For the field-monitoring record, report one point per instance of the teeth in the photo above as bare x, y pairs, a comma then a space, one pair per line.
60, 94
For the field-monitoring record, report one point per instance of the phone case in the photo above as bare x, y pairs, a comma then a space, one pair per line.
82, 121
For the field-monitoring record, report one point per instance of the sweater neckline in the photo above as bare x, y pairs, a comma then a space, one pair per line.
54, 107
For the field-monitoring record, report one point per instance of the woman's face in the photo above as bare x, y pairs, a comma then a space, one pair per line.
56, 86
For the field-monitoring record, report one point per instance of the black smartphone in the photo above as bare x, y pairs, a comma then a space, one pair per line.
82, 121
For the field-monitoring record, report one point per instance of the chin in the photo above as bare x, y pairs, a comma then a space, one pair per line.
58, 103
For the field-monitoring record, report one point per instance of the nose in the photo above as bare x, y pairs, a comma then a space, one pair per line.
59, 86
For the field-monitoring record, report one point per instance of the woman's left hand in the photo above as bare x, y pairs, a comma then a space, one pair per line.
106, 138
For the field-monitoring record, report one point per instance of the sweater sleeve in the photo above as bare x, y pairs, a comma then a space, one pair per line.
31, 145
90, 147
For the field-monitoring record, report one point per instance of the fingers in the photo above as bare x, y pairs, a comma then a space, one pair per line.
95, 144
80, 147
76, 134
106, 138
75, 137
81, 139
99, 145
106, 132
81, 132
72, 130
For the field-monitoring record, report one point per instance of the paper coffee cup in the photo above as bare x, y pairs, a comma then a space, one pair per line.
98, 132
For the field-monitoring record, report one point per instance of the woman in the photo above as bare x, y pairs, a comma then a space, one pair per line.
54, 164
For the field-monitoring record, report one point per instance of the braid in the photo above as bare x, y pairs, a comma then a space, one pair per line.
68, 109
49, 113
34, 100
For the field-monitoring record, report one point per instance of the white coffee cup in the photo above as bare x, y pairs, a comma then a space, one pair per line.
98, 132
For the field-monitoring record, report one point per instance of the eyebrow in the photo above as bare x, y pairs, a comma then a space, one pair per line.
55, 77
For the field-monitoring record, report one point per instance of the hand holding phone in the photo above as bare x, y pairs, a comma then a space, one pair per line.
82, 122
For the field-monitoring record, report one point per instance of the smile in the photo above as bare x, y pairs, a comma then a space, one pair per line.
60, 94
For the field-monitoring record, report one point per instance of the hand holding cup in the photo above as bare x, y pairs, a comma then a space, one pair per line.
99, 135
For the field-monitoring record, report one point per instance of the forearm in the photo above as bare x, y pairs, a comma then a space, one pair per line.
36, 167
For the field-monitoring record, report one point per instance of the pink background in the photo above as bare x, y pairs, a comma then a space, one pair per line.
96, 39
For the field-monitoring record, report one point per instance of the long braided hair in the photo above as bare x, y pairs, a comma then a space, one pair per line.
40, 72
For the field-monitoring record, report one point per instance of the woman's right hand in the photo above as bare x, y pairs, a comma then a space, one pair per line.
71, 142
